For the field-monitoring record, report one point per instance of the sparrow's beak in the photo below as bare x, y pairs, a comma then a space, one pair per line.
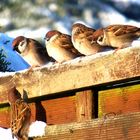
46, 38
15, 48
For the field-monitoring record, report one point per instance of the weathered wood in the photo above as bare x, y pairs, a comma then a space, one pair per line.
5, 117
89, 71
53, 111
122, 127
84, 105
119, 100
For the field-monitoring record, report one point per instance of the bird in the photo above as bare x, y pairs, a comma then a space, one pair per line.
31, 51
60, 47
20, 115
118, 36
85, 38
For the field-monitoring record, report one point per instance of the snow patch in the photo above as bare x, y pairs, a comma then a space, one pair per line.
5, 134
4, 22
27, 32
37, 128
136, 43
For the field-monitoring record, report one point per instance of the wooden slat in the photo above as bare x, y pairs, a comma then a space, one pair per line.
123, 127
5, 117
60, 110
84, 105
53, 111
119, 100
90, 71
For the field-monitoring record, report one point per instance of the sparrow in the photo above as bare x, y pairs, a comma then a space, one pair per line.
84, 39
119, 36
60, 47
20, 115
31, 50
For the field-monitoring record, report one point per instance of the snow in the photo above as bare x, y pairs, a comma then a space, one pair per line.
109, 15
27, 32
136, 43
37, 128
53, 7
17, 32
60, 26
4, 22
18, 64
128, 2
5, 134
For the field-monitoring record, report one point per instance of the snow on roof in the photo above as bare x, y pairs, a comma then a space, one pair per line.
19, 64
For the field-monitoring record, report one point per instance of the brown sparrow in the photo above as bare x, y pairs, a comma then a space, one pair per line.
84, 39
59, 46
119, 36
31, 50
20, 115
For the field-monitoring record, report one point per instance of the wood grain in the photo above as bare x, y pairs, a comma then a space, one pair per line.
89, 71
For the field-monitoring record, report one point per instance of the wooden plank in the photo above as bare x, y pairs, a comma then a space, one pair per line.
89, 71
84, 105
119, 100
52, 111
5, 117
60, 110
122, 127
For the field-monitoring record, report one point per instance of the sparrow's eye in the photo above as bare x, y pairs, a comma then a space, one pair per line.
100, 38
78, 31
47, 38
21, 44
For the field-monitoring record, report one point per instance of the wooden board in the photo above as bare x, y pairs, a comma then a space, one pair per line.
119, 100
122, 127
5, 117
84, 105
89, 71
80, 107
53, 111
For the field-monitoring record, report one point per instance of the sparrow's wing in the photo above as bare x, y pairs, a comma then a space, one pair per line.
38, 45
20, 113
42, 51
13, 118
39, 49
65, 40
83, 33
67, 44
122, 29
94, 36
89, 31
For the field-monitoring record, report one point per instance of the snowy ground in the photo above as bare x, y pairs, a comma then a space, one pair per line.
5, 134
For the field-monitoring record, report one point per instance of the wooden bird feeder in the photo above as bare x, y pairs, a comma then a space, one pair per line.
95, 97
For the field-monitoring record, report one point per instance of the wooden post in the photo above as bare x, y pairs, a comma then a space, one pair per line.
84, 105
